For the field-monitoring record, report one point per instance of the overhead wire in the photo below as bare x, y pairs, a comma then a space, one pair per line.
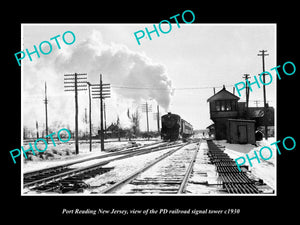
164, 89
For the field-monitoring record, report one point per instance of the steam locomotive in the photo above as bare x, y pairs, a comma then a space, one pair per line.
174, 128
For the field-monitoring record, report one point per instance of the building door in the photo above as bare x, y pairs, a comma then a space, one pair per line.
242, 134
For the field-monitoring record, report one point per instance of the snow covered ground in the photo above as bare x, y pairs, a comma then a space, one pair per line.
65, 153
122, 168
204, 173
266, 169
164, 177
204, 178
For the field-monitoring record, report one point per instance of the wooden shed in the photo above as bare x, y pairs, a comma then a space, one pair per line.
241, 131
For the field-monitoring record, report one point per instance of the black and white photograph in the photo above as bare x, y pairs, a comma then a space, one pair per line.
149, 109
145, 111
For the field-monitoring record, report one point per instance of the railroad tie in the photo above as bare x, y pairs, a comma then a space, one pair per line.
233, 180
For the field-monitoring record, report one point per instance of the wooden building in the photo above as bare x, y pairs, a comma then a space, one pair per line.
222, 106
240, 131
235, 122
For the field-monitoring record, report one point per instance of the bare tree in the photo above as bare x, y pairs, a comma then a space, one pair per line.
135, 120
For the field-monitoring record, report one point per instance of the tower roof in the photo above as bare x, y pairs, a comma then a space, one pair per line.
223, 95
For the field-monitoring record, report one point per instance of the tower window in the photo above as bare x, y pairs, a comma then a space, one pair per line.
225, 105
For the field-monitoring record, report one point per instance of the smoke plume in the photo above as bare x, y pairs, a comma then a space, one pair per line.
133, 76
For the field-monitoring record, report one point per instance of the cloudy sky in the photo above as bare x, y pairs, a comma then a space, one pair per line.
177, 70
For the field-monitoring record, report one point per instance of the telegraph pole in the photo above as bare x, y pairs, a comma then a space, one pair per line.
101, 114
147, 109
147, 119
101, 91
118, 124
82, 87
247, 76
85, 116
37, 129
104, 111
46, 112
90, 115
158, 122
264, 91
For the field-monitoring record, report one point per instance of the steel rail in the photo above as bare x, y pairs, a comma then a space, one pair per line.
135, 174
64, 175
188, 172
62, 166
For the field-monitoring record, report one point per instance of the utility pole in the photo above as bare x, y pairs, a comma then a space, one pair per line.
101, 91
256, 102
156, 116
46, 112
37, 129
85, 115
104, 111
147, 109
85, 121
118, 124
101, 114
247, 76
264, 91
158, 120
90, 115
82, 87
147, 120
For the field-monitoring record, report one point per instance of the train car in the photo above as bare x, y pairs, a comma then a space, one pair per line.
186, 129
175, 128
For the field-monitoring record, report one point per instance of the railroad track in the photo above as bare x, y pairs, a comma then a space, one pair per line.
29, 176
63, 178
170, 177
232, 180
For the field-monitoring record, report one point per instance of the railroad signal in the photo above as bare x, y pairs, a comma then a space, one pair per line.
71, 84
